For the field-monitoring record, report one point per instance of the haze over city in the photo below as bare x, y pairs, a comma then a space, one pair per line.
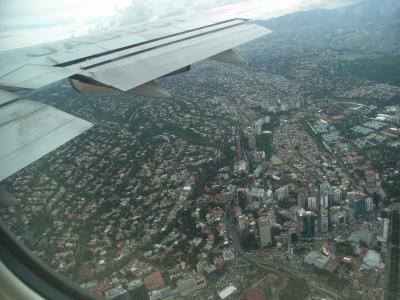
276, 178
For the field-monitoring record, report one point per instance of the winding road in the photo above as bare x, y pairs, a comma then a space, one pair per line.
283, 271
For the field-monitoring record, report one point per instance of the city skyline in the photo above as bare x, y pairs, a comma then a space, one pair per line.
278, 178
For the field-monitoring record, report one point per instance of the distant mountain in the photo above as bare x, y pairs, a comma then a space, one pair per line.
368, 27
367, 11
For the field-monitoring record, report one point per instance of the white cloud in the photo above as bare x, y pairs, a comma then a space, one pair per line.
141, 11
24, 23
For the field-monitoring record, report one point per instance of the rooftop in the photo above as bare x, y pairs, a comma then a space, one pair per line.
372, 260
316, 259
225, 293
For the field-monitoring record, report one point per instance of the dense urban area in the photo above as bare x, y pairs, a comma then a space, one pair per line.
277, 179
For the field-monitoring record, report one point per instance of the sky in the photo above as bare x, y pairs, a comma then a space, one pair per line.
30, 22
24, 23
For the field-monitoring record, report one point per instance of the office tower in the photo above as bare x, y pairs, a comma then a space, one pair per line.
239, 153
290, 248
308, 224
359, 207
325, 223
392, 291
357, 202
282, 193
231, 195
302, 197
386, 224
324, 203
369, 204
252, 142
338, 217
311, 203
370, 174
265, 226
324, 188
337, 195
349, 214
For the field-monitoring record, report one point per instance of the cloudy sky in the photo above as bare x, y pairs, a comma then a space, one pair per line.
24, 23
29, 22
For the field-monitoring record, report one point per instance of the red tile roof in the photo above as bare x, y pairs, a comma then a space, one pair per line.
154, 281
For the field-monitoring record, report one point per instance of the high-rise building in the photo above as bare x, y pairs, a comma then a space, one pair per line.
385, 229
369, 204
385, 213
247, 131
239, 152
359, 207
370, 174
337, 215
228, 255
311, 203
325, 201
231, 195
302, 197
256, 194
324, 188
337, 195
308, 219
240, 166
349, 214
324, 220
290, 247
252, 142
243, 222
137, 290
357, 202
392, 291
282, 193
264, 226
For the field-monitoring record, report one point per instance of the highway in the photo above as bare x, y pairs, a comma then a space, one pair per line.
280, 288
281, 270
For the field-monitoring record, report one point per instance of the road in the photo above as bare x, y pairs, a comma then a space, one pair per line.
283, 271
337, 157
280, 288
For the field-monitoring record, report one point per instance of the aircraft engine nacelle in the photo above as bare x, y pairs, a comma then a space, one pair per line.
87, 86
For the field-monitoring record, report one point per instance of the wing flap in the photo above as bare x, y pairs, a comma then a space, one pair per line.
74, 53
35, 76
6, 97
132, 71
30, 130
87, 64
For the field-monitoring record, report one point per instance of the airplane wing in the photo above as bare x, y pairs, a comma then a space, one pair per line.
127, 59
131, 56
30, 130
